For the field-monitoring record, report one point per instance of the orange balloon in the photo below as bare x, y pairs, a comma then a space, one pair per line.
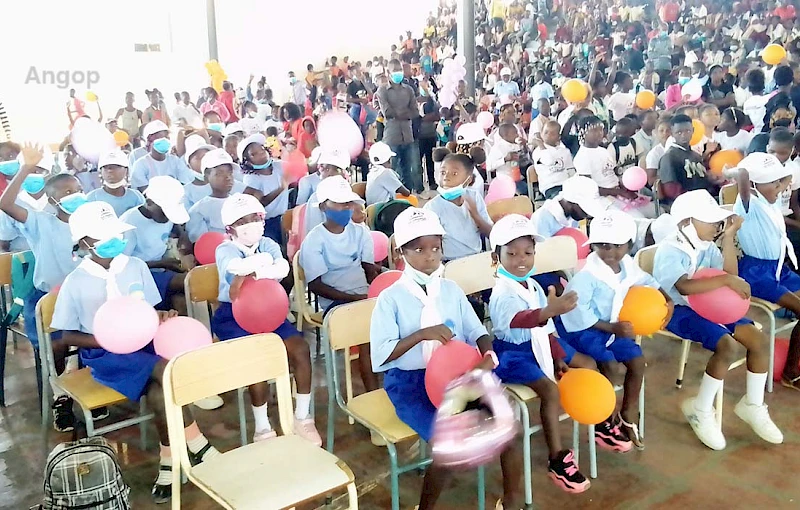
645, 99
587, 396
574, 90
773, 54
699, 132
721, 159
645, 308
410, 199
121, 137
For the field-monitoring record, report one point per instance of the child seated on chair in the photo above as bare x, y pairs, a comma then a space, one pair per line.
115, 191
204, 216
552, 160
248, 254
382, 183
337, 258
650, 232
408, 323
701, 222
527, 351
105, 273
196, 149
332, 162
266, 181
594, 328
307, 184
32, 195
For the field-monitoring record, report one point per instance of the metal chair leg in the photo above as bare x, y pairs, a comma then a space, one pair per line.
684, 358
394, 475
576, 442
242, 418
641, 411
481, 487
592, 453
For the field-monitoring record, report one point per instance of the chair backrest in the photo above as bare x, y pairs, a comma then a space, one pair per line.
559, 253
393, 257
473, 274
533, 178
515, 205
44, 316
300, 285
5, 268
728, 194
360, 189
201, 288
370, 211
348, 325
286, 221
645, 258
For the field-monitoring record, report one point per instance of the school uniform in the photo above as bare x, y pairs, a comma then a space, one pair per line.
205, 216
462, 237
307, 186
89, 179
548, 219
193, 193
148, 242
82, 294
10, 229
382, 185
266, 184
145, 168
132, 198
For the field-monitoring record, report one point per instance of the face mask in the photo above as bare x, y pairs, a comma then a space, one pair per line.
110, 248
683, 80
116, 185
397, 77
341, 218
9, 168
250, 234
251, 114
422, 278
502, 271
691, 234
199, 176
292, 80
162, 145
451, 193
33, 184
216, 126
263, 166
70, 203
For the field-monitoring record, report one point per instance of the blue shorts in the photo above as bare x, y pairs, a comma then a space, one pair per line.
686, 323
272, 229
592, 342
29, 314
162, 278
128, 374
547, 280
760, 274
518, 365
406, 390
225, 327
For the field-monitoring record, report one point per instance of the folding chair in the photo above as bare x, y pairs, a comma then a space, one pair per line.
286, 223
533, 182
514, 205
473, 273
360, 189
728, 194
278, 473
347, 326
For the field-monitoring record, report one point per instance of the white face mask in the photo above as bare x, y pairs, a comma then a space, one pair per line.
250, 234
691, 234
252, 114
199, 176
116, 185
421, 278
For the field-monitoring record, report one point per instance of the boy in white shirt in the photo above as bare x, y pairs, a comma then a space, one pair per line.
552, 161
504, 154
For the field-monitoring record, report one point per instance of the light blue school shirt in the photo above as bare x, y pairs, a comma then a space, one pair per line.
82, 295
146, 168
148, 241
504, 305
462, 237
382, 187
10, 230
135, 155
266, 184
90, 180
547, 225
758, 236
307, 186
228, 251
670, 264
193, 193
132, 198
337, 258
314, 215
205, 216
397, 315
51, 243
595, 299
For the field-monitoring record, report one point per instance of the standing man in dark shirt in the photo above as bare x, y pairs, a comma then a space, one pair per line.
681, 169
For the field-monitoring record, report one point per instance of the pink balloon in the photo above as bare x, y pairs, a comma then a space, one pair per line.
460, 60
90, 139
486, 120
180, 334
501, 187
294, 166
721, 305
125, 324
634, 178
580, 240
338, 130
380, 245
383, 281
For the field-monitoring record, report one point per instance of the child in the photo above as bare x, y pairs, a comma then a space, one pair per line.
158, 160
624, 151
527, 351
407, 324
249, 254
594, 328
214, 127
382, 183
115, 192
621, 102
541, 120
340, 100
701, 222
273, 145
196, 148
32, 195
265, 180
332, 162
681, 169
81, 169
731, 136
204, 216
552, 160
643, 139
444, 126
653, 158
505, 153
578, 200
104, 274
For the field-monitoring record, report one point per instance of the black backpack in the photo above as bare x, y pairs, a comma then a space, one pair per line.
386, 213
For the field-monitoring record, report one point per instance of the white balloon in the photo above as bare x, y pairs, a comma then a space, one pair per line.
461, 60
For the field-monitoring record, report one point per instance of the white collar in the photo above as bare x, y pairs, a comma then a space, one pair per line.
118, 264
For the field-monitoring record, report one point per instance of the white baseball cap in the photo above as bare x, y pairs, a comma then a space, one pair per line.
336, 189
764, 168
510, 227
152, 127
167, 193
239, 205
193, 144
96, 220
505, 71
214, 158
698, 205
335, 157
584, 192
663, 227
613, 226
233, 127
470, 133
254, 138
47, 162
115, 157
414, 223
380, 153
315, 154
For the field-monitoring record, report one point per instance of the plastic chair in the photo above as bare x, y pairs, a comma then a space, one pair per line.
278, 473
360, 189
514, 205
347, 326
533, 181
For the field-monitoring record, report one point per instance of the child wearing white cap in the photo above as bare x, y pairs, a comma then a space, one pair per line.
249, 254
115, 191
578, 200
307, 184
527, 351
265, 180
104, 274
701, 222
196, 148
205, 216
411, 319
594, 328
382, 183
158, 160
32, 195
332, 162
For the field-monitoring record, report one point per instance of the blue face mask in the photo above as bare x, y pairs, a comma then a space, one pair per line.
341, 218
33, 184
9, 168
162, 145
216, 126
110, 248
292, 80
397, 77
451, 193
683, 80
70, 203
502, 271
263, 166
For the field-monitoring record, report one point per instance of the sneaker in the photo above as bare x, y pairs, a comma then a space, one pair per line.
307, 430
758, 418
63, 419
704, 424
609, 436
209, 403
263, 436
631, 431
564, 473
101, 413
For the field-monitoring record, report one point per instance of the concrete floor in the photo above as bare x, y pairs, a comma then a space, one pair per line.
674, 471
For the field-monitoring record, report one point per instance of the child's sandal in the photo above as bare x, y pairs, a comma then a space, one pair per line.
793, 383
632, 431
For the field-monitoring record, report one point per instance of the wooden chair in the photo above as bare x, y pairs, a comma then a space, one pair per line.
728, 194
305, 312
559, 253
360, 189
370, 211
201, 288
79, 385
515, 205
392, 253
533, 182
278, 473
286, 223
473, 273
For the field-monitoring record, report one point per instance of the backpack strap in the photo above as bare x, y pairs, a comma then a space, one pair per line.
22, 266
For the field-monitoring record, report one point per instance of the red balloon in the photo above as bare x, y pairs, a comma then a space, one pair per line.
451, 360
205, 249
384, 280
261, 306
720, 306
580, 240
295, 166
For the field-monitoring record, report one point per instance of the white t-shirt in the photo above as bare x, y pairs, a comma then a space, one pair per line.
756, 107
598, 164
786, 196
189, 115
740, 141
620, 104
653, 157
553, 166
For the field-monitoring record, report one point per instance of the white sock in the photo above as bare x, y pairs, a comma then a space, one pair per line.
165, 459
261, 418
755, 388
302, 406
708, 392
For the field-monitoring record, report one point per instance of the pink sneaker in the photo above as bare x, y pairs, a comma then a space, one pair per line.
263, 436
609, 436
307, 430
564, 473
